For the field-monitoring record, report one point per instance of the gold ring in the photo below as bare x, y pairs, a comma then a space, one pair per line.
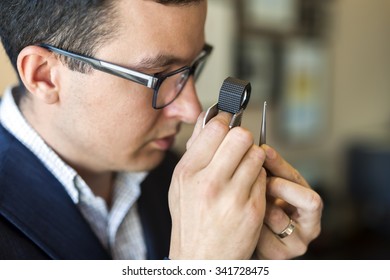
287, 231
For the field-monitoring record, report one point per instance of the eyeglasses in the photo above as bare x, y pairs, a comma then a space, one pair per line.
167, 87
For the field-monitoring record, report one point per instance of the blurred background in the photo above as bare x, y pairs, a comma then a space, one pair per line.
323, 66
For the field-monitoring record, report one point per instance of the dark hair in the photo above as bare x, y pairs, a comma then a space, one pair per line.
79, 26
74, 25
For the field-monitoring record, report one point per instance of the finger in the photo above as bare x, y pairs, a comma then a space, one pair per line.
258, 190
287, 208
204, 146
306, 214
272, 247
307, 202
276, 165
247, 173
275, 218
232, 151
302, 205
197, 129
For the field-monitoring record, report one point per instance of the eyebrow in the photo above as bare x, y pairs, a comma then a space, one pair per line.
162, 60
159, 61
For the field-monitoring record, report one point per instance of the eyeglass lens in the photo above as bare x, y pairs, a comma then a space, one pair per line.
171, 87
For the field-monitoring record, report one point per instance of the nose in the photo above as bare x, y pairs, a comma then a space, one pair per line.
187, 106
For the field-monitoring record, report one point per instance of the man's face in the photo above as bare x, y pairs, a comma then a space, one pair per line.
108, 123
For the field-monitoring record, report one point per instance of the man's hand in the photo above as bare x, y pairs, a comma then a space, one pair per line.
289, 196
217, 194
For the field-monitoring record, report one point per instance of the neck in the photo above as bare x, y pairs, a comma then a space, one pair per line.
101, 184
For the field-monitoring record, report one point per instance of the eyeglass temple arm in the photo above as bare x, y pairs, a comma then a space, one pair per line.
106, 67
93, 62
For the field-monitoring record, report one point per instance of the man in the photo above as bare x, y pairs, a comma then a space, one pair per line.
84, 161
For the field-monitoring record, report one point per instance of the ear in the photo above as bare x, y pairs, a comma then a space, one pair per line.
38, 69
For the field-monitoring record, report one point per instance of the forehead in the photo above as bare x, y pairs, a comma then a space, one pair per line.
147, 28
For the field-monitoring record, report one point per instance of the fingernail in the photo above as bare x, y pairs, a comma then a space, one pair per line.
270, 152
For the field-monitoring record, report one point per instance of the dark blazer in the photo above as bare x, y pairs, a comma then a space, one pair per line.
38, 220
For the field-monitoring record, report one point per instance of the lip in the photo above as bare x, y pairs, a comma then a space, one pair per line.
165, 143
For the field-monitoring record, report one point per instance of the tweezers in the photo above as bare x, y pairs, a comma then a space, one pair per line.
263, 125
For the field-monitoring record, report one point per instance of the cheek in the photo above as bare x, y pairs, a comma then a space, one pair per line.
110, 113
124, 140
123, 110
129, 126
110, 98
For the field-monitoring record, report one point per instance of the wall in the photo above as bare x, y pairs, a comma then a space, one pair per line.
361, 68
7, 75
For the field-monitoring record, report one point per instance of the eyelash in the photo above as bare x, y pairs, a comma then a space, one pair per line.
167, 70
159, 73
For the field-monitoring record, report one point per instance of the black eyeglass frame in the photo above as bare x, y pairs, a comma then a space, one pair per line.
151, 81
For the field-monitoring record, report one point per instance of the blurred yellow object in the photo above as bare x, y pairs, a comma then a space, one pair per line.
7, 76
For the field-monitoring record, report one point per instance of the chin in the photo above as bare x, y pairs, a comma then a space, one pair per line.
146, 162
